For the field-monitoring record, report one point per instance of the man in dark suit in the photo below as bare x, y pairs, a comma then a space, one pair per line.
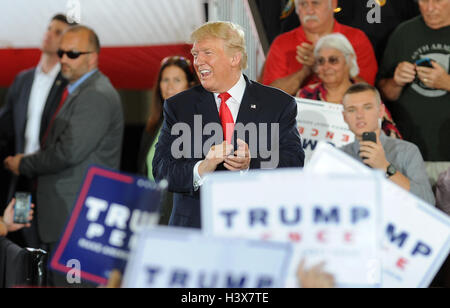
226, 105
30, 104
87, 130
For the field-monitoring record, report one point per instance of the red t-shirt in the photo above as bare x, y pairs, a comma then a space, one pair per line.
281, 60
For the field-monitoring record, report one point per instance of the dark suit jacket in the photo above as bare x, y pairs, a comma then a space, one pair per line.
13, 115
87, 130
260, 104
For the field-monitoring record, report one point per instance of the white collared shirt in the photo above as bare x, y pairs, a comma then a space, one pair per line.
233, 103
40, 90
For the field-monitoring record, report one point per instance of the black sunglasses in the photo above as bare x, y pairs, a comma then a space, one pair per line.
71, 54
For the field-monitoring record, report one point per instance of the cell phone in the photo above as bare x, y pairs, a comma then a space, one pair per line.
426, 62
22, 207
369, 136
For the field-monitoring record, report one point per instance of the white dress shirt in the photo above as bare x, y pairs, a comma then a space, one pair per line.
233, 103
40, 90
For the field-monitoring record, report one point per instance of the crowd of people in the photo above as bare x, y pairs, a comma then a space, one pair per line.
321, 59
64, 114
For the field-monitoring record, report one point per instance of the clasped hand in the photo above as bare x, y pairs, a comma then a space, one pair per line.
224, 153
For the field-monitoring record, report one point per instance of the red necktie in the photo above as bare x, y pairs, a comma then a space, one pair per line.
226, 117
61, 103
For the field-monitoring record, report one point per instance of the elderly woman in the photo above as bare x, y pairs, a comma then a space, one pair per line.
336, 67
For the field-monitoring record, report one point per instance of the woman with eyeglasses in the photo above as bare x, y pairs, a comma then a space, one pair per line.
175, 75
336, 66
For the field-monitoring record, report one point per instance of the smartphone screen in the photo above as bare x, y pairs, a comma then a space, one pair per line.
426, 62
22, 208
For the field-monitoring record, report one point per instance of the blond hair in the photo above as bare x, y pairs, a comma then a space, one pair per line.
232, 35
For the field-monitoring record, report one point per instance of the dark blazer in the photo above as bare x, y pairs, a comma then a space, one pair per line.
87, 130
13, 115
260, 104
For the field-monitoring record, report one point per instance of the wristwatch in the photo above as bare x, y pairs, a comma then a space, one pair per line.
390, 171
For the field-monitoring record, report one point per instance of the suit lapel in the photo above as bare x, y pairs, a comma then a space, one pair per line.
248, 110
249, 107
206, 106
59, 126
26, 98
77, 91
52, 103
21, 111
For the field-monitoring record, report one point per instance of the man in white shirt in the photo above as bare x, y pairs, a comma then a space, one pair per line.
232, 123
31, 103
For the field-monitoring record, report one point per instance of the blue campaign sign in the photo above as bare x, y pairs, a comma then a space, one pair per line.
109, 210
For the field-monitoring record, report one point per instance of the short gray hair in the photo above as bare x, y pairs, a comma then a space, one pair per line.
340, 42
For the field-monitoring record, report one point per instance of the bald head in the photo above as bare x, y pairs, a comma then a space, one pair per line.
86, 32
79, 52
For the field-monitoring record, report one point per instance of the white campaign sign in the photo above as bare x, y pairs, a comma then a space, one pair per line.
328, 218
416, 239
415, 235
327, 159
320, 121
183, 258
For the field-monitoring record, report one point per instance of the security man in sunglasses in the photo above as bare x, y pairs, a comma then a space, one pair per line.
30, 104
87, 130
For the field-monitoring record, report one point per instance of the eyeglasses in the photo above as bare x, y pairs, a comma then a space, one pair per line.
174, 59
332, 60
72, 54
